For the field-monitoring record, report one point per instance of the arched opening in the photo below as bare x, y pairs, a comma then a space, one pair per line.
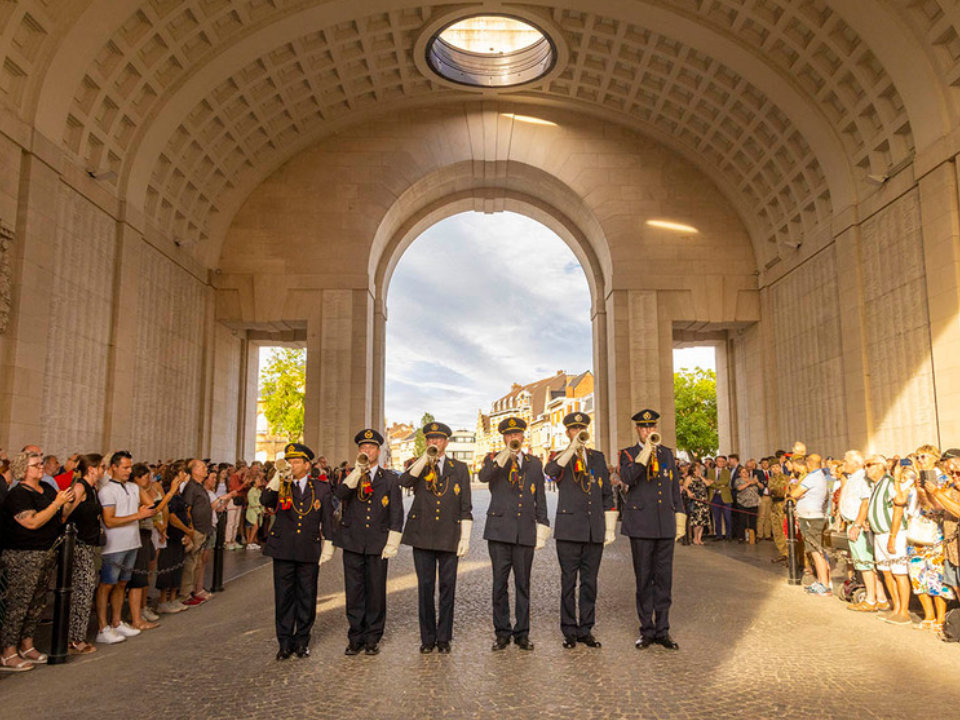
490, 316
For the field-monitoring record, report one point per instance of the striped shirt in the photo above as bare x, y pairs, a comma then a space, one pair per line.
880, 507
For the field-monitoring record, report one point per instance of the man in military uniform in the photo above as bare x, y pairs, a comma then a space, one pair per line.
304, 513
371, 518
438, 528
649, 519
586, 521
778, 492
517, 524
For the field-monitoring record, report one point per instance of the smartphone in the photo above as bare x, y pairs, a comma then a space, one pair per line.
156, 503
906, 462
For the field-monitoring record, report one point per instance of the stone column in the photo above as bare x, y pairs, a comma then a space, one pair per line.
25, 345
941, 249
378, 365
728, 436
603, 440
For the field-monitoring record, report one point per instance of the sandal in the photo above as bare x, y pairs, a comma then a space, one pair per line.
33, 655
147, 625
14, 663
924, 625
82, 648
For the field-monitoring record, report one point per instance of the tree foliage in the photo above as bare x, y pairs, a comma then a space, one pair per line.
695, 393
283, 381
420, 442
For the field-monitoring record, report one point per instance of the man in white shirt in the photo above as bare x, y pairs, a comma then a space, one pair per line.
854, 500
121, 519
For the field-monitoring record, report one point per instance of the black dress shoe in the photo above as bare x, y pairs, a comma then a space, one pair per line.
302, 652
500, 644
373, 649
426, 648
443, 648
589, 641
284, 653
644, 642
668, 643
523, 643
353, 649
569, 643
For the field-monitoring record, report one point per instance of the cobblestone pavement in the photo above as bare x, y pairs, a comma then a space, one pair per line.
751, 646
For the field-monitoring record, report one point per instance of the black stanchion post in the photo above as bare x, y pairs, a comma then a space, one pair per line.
218, 552
793, 562
62, 595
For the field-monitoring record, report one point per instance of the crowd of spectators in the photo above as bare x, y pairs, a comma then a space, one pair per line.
136, 525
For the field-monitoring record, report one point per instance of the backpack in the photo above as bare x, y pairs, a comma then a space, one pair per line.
951, 627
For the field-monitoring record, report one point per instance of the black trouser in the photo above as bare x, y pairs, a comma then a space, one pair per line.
428, 563
365, 583
653, 568
295, 599
519, 558
583, 559
739, 524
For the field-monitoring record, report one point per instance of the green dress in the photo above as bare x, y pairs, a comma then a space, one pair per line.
254, 508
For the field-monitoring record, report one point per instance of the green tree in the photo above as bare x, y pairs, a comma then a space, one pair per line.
283, 381
420, 442
695, 394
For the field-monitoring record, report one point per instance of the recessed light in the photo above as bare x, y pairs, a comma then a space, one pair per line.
675, 226
529, 119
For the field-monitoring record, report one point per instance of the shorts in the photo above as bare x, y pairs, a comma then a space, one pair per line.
812, 531
110, 573
895, 562
861, 551
140, 578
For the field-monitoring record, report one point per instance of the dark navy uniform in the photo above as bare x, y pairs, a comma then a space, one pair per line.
584, 494
441, 502
518, 503
649, 519
301, 522
368, 513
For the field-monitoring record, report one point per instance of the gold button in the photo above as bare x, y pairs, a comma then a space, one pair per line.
298, 532
368, 524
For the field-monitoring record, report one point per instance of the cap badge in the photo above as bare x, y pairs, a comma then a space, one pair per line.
368, 434
433, 427
579, 417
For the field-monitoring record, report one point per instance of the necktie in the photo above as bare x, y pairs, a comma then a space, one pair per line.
366, 487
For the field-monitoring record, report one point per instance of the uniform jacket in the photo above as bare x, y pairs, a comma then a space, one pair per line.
297, 536
364, 525
651, 503
579, 514
433, 522
514, 511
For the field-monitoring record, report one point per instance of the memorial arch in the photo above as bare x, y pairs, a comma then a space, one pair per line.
185, 180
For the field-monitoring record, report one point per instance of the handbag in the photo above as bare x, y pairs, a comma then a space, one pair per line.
922, 531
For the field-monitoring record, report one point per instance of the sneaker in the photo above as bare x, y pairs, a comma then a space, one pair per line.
821, 591
194, 601
253, 546
127, 630
814, 588
109, 636
149, 614
169, 608
205, 594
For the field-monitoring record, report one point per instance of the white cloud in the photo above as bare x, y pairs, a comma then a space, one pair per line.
476, 303
693, 357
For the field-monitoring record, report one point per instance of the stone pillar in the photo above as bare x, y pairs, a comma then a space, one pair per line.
855, 378
25, 347
941, 249
378, 365
634, 360
603, 439
728, 437
339, 372
118, 426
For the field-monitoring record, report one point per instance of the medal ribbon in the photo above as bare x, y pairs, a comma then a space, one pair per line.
365, 489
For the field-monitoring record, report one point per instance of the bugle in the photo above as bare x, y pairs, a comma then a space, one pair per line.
583, 437
432, 452
363, 460
654, 438
514, 445
282, 467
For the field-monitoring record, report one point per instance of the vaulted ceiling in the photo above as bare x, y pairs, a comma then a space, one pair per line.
795, 107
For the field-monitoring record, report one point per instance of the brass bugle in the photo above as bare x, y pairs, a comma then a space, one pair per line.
432, 452
583, 437
282, 467
654, 438
514, 445
363, 459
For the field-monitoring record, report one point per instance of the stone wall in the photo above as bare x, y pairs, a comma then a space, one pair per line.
169, 359
80, 289
227, 348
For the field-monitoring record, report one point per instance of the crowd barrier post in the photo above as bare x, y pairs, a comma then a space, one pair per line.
62, 595
218, 549
793, 562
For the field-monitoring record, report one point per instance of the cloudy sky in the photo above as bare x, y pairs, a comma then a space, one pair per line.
479, 302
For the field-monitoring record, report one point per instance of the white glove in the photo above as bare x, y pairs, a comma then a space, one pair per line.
681, 525
610, 518
327, 553
466, 526
392, 546
274, 483
419, 465
503, 457
353, 479
644, 455
543, 534
564, 457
